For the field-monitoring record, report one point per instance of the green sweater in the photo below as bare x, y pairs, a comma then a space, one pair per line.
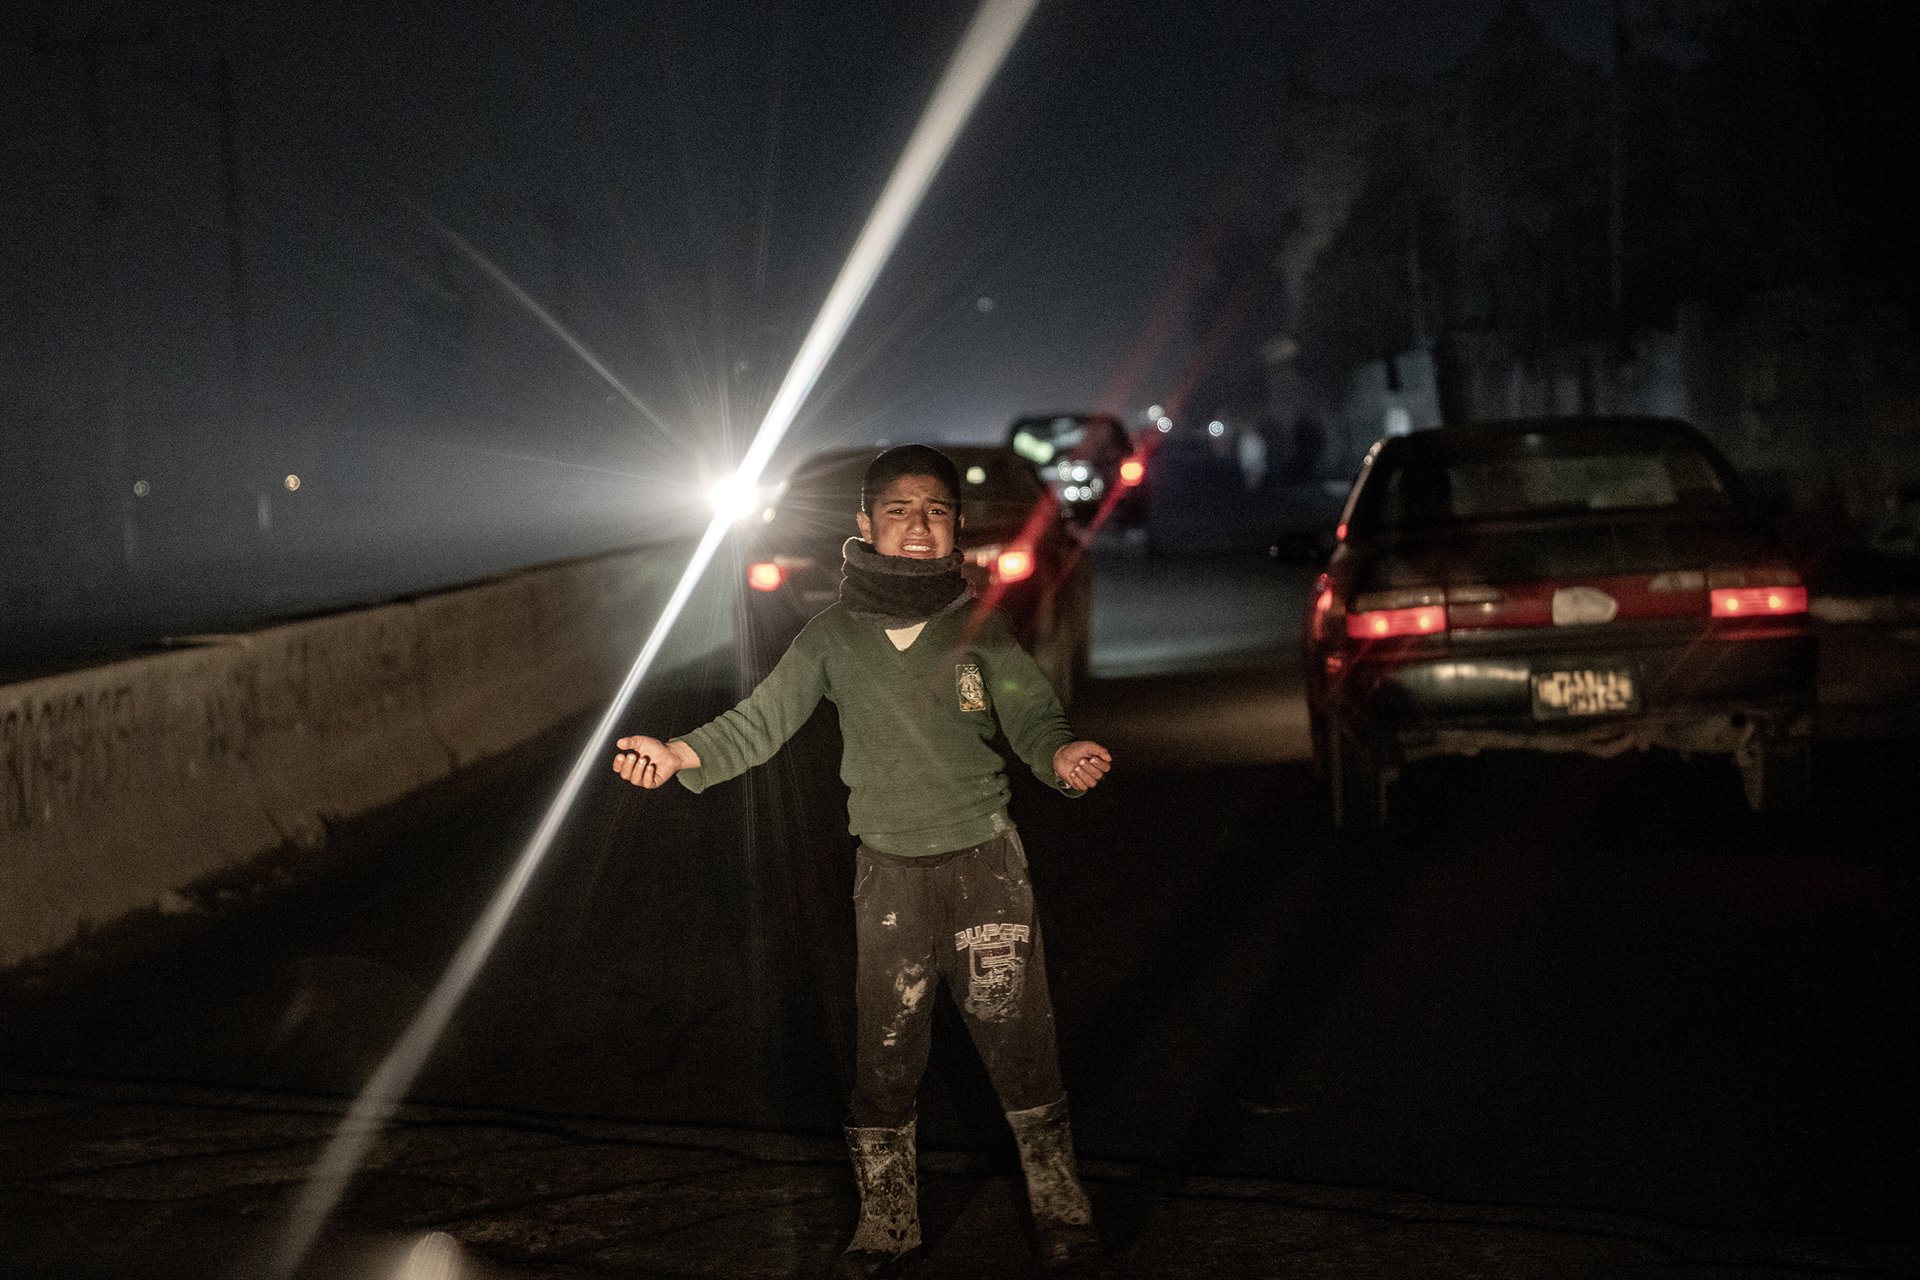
918, 724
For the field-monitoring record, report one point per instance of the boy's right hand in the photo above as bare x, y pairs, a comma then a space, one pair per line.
649, 762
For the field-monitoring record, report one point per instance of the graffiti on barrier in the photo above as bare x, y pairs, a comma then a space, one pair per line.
60, 752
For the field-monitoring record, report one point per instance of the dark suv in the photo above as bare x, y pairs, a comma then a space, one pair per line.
1575, 584
1088, 461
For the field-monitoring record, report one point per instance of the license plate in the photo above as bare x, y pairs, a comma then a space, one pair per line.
1583, 693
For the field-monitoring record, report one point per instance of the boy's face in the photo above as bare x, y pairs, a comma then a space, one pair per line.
915, 517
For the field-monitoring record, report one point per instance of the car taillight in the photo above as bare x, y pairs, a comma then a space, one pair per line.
1324, 600
1015, 564
1758, 602
1772, 591
1380, 624
1402, 611
765, 575
1132, 472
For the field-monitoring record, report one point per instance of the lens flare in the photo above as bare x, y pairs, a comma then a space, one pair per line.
494, 272
734, 499
434, 1256
984, 47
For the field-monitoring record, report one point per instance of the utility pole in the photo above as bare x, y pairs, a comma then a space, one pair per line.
1616, 175
212, 89
265, 481
110, 496
109, 456
238, 299
1416, 284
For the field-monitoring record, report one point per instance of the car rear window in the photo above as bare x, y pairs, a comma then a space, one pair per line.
1540, 481
1040, 440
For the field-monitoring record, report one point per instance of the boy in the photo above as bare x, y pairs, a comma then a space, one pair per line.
922, 680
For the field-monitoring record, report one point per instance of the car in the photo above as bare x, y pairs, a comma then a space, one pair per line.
1022, 556
1583, 584
1089, 461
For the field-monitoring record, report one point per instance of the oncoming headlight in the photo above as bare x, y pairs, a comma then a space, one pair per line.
733, 498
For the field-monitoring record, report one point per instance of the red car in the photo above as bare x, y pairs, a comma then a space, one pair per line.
1574, 584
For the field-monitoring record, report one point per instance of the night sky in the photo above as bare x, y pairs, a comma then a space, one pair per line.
676, 181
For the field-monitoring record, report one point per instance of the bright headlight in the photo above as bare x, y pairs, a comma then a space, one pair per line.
734, 498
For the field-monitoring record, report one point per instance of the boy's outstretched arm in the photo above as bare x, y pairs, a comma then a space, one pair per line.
649, 762
1082, 764
737, 740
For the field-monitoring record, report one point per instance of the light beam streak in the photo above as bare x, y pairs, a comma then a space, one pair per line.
982, 50
545, 317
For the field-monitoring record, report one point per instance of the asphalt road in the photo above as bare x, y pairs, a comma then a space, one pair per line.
1568, 984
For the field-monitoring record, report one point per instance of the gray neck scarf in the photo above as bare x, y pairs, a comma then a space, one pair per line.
898, 591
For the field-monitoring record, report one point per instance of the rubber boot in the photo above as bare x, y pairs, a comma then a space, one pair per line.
884, 1168
1062, 1216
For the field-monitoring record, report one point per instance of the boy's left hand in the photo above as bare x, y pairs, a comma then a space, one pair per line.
1081, 765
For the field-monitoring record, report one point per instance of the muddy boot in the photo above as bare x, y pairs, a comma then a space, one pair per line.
1062, 1217
883, 1165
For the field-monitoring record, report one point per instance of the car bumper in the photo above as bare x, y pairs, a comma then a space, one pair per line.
1706, 695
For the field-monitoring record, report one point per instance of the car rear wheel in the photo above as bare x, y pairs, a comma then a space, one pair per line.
1777, 776
1357, 783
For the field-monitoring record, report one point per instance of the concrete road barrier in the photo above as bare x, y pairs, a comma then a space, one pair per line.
118, 784
123, 784
487, 676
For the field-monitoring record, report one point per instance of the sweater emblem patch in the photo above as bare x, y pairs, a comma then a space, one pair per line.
969, 685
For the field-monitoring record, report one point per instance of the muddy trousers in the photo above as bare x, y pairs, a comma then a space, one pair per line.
963, 920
